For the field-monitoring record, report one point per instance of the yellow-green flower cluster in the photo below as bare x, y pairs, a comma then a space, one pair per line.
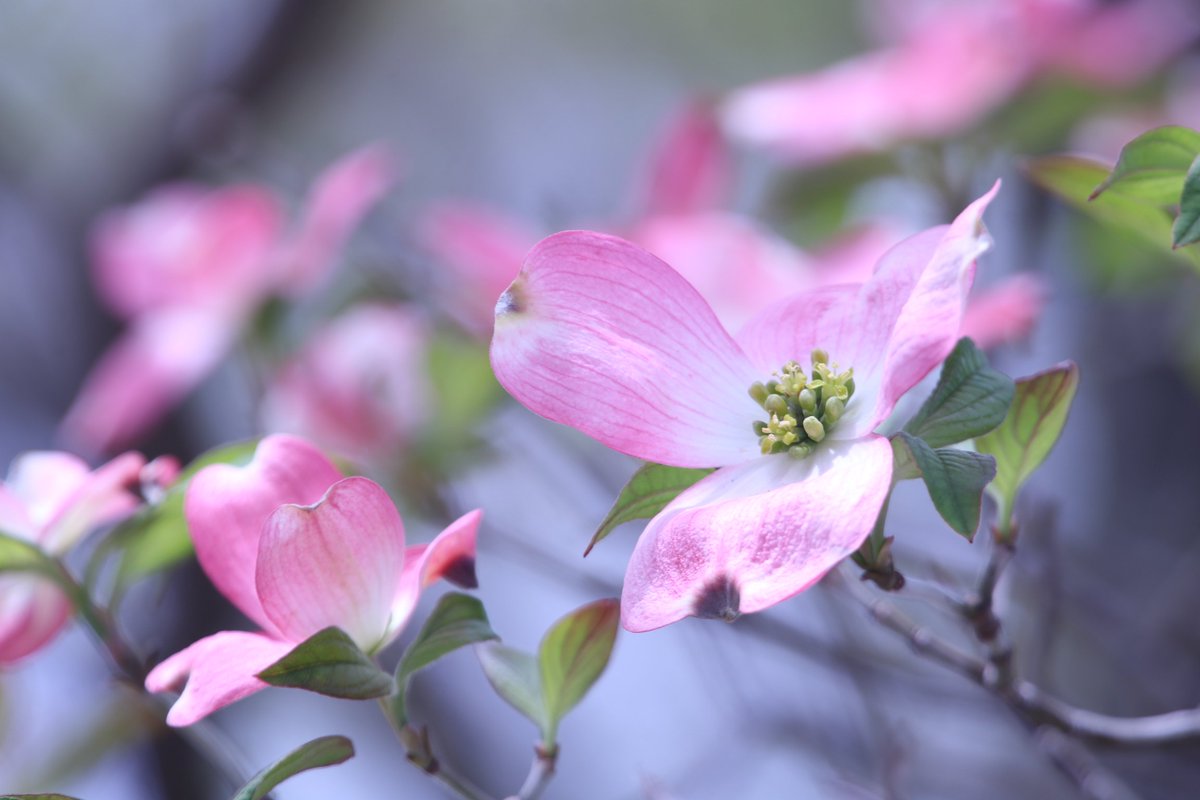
802, 408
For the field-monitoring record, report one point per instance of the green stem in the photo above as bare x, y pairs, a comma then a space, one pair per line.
418, 751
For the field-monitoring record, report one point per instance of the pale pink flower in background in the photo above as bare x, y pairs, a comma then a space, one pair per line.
953, 64
187, 267
480, 250
689, 169
598, 334
298, 548
736, 263
53, 500
359, 387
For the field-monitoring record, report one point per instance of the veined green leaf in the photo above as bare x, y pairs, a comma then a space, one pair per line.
1152, 166
970, 399
1029, 431
648, 492
1187, 225
955, 479
330, 663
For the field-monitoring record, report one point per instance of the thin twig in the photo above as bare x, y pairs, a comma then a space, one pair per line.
419, 752
541, 772
1031, 702
1096, 782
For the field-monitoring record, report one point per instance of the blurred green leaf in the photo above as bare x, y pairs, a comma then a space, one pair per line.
323, 752
20, 555
970, 399
330, 663
648, 492
573, 655
1072, 178
156, 537
1152, 166
458, 620
514, 676
1028, 433
955, 479
1187, 225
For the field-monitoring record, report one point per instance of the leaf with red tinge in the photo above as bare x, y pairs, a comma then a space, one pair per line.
1021, 443
573, 655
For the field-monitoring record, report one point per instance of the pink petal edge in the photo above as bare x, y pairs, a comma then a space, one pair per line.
214, 672
598, 334
750, 536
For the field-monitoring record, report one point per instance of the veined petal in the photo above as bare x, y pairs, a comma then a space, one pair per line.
750, 536
214, 672
227, 506
337, 562
598, 334
451, 555
32, 612
892, 330
735, 264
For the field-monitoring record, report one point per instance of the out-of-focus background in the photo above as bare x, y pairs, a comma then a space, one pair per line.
548, 113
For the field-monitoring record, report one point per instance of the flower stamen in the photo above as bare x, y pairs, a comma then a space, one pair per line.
802, 408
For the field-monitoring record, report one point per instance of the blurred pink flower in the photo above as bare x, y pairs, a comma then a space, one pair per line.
598, 334
737, 264
52, 499
359, 387
298, 548
187, 267
954, 63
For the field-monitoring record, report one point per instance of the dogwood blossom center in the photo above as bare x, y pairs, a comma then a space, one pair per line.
802, 408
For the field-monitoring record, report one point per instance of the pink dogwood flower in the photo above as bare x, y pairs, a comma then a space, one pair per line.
598, 334
187, 267
53, 499
954, 63
359, 386
297, 548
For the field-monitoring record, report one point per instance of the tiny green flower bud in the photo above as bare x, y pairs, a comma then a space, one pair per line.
849, 384
833, 410
758, 391
799, 451
814, 428
776, 404
819, 356
761, 428
807, 400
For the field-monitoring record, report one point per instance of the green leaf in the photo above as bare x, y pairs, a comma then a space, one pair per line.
21, 555
1028, 433
458, 620
1152, 166
514, 676
970, 399
955, 479
573, 655
330, 663
323, 752
156, 538
648, 492
1187, 225
1072, 178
